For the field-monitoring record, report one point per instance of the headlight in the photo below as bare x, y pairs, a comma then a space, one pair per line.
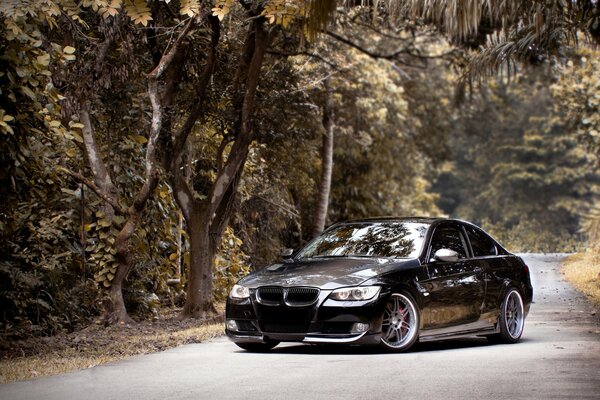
355, 293
239, 292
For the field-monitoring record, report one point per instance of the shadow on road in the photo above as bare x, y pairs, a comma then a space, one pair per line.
447, 345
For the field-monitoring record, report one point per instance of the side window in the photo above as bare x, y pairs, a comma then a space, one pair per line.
480, 242
448, 237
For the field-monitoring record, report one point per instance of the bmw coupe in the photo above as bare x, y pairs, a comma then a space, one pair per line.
386, 281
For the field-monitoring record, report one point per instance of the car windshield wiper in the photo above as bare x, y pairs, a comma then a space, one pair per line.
343, 255
329, 256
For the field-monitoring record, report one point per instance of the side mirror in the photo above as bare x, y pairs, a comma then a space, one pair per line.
287, 254
445, 255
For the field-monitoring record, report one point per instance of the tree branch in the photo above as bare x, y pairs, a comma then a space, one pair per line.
90, 184
184, 194
284, 208
239, 150
166, 59
201, 89
382, 56
304, 53
99, 171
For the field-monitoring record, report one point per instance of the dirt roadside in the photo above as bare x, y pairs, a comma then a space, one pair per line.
96, 344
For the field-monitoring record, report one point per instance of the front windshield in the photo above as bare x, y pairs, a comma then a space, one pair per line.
369, 239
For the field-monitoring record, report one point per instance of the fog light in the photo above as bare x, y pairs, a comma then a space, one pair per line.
359, 327
231, 325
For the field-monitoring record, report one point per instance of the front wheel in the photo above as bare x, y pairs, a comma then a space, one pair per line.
400, 327
258, 347
511, 319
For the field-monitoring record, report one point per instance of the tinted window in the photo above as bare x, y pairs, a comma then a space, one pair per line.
448, 237
369, 239
481, 244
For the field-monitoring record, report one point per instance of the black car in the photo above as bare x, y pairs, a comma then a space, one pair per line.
386, 281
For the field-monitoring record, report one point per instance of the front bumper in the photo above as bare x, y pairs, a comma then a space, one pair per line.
357, 339
326, 321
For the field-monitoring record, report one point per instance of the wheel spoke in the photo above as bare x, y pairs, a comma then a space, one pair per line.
399, 334
389, 332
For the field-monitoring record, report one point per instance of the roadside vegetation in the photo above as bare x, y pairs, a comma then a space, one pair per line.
582, 270
95, 344
154, 152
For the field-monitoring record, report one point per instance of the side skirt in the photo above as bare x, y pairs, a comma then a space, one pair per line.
427, 336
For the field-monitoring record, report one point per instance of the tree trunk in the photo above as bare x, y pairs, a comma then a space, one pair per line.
205, 238
199, 283
114, 311
324, 187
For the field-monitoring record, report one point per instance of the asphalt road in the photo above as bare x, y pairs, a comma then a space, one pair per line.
558, 358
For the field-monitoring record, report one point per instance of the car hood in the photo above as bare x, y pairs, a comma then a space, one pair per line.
325, 273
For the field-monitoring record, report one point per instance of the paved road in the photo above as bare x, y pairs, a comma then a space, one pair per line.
558, 358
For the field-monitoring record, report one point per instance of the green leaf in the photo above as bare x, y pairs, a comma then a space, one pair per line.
140, 139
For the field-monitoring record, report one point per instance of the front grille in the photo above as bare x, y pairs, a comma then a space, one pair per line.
284, 327
294, 296
270, 294
301, 295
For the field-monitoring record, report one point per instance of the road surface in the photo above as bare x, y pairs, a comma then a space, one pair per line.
558, 358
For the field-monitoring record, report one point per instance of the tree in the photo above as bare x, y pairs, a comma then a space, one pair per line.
506, 33
43, 285
575, 96
324, 186
207, 213
103, 71
518, 169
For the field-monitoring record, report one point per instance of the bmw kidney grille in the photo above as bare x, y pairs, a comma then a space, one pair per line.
294, 296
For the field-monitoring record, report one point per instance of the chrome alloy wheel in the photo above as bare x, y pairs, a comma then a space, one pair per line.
513, 314
400, 322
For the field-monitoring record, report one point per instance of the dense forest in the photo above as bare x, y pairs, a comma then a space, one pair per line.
154, 152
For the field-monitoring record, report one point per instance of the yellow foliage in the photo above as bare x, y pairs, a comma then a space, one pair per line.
284, 12
222, 8
138, 11
106, 12
230, 264
583, 272
189, 7
139, 139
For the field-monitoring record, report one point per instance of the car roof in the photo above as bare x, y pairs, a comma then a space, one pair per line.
427, 220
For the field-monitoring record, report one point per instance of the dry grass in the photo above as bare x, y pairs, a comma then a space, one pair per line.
582, 270
96, 345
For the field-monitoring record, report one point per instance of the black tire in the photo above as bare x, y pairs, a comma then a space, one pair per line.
511, 319
258, 347
400, 326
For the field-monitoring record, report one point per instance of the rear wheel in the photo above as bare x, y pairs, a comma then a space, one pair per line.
512, 318
258, 347
400, 327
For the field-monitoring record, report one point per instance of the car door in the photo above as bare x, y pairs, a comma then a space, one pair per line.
454, 290
493, 265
